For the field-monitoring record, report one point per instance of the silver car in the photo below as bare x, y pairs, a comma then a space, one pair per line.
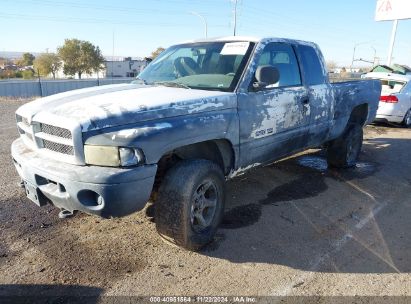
395, 100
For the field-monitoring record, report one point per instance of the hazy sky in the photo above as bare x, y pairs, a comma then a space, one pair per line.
141, 26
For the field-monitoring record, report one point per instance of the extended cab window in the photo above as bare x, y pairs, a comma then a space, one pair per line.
205, 65
313, 71
282, 56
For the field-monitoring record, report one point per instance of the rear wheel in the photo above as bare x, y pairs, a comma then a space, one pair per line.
344, 151
190, 203
407, 119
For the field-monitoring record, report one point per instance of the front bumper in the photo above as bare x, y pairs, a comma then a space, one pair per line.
103, 191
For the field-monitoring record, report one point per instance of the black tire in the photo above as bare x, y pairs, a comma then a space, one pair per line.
344, 151
182, 216
407, 119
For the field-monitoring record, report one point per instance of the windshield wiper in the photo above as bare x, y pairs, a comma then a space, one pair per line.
172, 84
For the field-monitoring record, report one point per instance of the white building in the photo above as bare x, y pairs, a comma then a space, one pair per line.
124, 67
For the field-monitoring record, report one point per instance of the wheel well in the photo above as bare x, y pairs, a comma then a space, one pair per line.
359, 115
219, 151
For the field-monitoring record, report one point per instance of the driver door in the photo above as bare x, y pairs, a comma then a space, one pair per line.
274, 121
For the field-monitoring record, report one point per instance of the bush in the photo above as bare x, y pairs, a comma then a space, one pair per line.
28, 74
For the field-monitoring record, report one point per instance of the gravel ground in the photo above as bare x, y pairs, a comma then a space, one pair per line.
293, 228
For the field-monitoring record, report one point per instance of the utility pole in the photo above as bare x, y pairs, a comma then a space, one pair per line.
235, 16
112, 61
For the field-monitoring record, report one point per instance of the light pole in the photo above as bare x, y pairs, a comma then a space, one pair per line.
375, 56
353, 54
204, 21
235, 16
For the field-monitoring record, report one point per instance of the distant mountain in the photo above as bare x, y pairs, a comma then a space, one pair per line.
14, 55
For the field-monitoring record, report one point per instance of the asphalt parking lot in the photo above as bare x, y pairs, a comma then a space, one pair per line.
293, 228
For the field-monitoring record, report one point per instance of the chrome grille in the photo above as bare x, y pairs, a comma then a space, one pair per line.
55, 131
56, 147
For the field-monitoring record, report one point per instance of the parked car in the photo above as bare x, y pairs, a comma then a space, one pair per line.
200, 113
395, 100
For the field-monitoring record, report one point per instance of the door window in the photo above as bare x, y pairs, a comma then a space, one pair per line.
313, 71
282, 56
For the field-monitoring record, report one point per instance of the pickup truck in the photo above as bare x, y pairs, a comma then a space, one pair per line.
201, 113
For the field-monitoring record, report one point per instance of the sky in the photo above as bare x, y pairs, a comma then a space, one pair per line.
136, 28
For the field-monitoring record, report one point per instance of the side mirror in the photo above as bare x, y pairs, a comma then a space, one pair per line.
266, 75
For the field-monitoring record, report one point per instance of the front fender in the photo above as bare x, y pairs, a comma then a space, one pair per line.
158, 137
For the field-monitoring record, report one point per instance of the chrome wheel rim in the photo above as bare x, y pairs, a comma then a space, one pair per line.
203, 206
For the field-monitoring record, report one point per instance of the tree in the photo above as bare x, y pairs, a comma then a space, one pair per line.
157, 52
46, 64
331, 66
26, 60
80, 57
27, 74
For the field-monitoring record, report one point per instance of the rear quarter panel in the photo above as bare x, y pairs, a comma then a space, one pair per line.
349, 95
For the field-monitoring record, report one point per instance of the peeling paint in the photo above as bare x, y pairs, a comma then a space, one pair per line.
241, 171
128, 133
262, 125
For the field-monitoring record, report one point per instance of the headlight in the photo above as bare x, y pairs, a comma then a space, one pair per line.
130, 156
113, 156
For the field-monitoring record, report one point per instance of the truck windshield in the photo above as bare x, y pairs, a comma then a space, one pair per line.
205, 65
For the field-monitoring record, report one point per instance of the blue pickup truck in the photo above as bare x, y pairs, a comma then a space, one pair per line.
200, 113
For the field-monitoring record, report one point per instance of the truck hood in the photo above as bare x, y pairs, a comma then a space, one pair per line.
114, 105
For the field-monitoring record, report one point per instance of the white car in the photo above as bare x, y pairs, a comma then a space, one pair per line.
395, 101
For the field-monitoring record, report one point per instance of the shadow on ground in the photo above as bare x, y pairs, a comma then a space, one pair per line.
354, 220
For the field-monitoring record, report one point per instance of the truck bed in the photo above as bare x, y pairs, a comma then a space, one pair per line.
350, 94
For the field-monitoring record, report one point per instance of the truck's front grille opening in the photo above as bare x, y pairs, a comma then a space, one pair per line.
56, 147
21, 131
56, 131
25, 121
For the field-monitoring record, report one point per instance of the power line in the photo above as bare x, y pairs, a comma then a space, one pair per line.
127, 9
97, 21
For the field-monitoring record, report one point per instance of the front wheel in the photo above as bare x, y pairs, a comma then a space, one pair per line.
190, 203
407, 119
344, 151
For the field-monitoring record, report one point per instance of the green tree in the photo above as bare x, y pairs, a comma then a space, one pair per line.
26, 60
157, 52
80, 57
46, 64
27, 74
